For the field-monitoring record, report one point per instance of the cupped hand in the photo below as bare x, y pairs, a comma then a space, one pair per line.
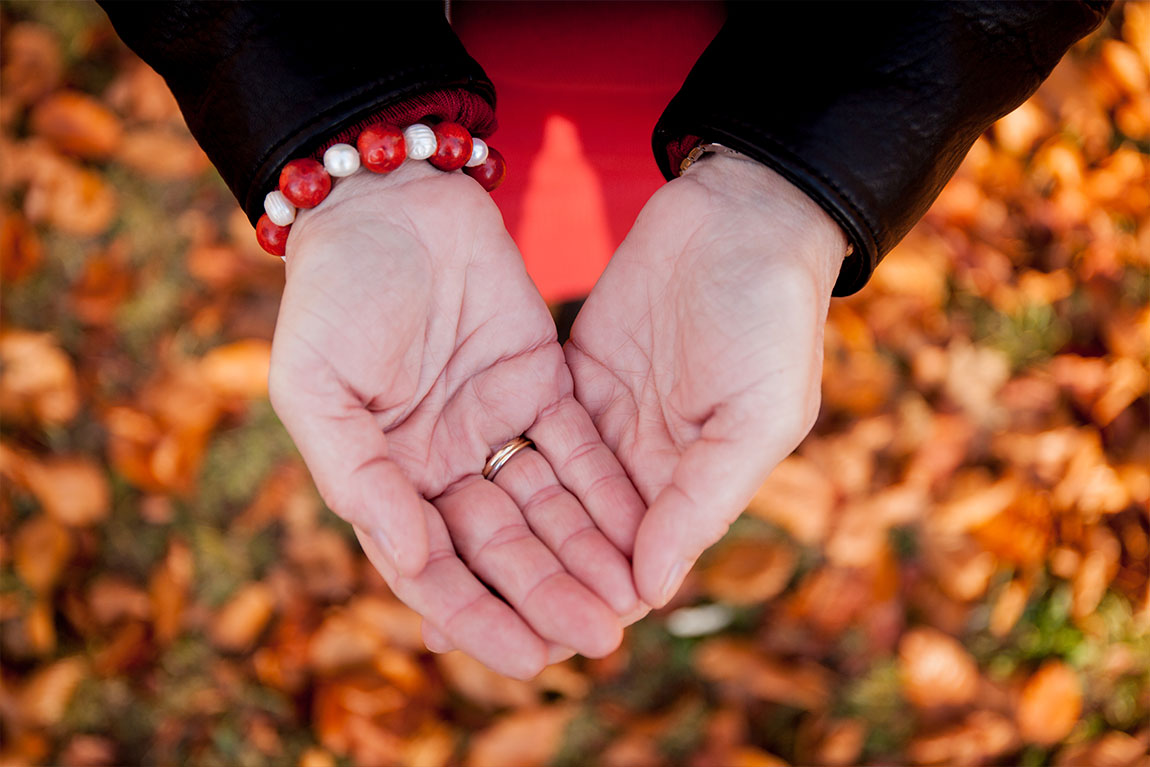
410, 344
698, 353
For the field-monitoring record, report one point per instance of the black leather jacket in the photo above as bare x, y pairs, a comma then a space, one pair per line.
868, 107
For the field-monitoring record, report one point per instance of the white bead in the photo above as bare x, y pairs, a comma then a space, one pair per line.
420, 141
279, 210
341, 160
283, 258
478, 153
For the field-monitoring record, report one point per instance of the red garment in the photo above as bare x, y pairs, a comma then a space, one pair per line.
579, 87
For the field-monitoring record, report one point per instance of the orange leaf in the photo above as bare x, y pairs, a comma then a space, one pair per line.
1050, 705
798, 497
40, 551
45, 697
32, 62
77, 124
528, 737
162, 154
71, 489
37, 380
104, 285
936, 670
746, 572
241, 620
239, 369
481, 685
738, 664
20, 248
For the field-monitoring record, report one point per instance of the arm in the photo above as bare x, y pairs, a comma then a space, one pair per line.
867, 107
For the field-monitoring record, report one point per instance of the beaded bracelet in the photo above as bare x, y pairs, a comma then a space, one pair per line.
381, 149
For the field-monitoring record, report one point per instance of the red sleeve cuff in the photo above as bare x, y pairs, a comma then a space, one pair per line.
449, 105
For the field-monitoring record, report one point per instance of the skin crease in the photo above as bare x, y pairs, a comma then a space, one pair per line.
410, 343
698, 353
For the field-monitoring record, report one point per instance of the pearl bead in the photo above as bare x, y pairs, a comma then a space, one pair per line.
271, 236
279, 210
420, 141
478, 153
381, 147
304, 183
341, 160
453, 147
491, 173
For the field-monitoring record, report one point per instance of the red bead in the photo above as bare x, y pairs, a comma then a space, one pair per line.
272, 237
305, 183
453, 146
491, 173
381, 148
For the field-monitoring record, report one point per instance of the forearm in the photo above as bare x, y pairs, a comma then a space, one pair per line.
262, 83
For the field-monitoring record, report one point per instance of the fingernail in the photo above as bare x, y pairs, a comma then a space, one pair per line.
385, 545
672, 581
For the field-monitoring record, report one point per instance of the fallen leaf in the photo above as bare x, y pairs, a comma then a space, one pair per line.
1050, 704
73, 490
104, 285
20, 248
527, 737
45, 696
748, 571
77, 124
41, 550
239, 369
162, 154
935, 669
37, 380
32, 62
798, 497
739, 665
239, 622
483, 686
982, 737
112, 599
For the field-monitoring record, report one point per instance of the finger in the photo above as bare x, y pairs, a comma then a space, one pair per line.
437, 642
347, 454
710, 486
468, 616
435, 639
565, 435
490, 534
561, 522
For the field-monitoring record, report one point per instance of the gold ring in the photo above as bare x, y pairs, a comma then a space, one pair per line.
503, 454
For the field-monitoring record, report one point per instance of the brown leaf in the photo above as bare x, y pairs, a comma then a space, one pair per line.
71, 489
1114, 749
112, 599
936, 670
77, 124
142, 96
239, 622
20, 248
342, 642
481, 685
739, 665
40, 551
162, 154
71, 198
842, 743
239, 369
798, 497
32, 62
89, 751
1050, 705
528, 737
749, 571
983, 736
106, 282
45, 697
37, 380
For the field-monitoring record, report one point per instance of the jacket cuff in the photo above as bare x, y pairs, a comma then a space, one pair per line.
867, 107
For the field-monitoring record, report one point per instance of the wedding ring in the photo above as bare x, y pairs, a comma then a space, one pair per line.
503, 454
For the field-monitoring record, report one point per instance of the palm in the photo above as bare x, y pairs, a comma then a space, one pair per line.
398, 371
698, 353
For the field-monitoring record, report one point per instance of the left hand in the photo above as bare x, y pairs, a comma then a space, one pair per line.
698, 353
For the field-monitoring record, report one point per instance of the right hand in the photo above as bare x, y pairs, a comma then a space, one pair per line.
410, 343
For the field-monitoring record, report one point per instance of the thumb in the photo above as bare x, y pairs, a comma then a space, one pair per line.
347, 454
710, 486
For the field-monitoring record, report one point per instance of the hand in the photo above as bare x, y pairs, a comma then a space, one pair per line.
411, 343
699, 352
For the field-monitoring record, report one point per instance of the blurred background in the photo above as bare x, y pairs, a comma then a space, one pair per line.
951, 569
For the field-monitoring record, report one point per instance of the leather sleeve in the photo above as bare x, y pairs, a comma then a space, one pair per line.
261, 83
868, 107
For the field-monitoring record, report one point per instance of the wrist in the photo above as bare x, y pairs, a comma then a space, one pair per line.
739, 183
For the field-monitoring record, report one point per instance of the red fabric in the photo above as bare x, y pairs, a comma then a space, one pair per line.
580, 86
